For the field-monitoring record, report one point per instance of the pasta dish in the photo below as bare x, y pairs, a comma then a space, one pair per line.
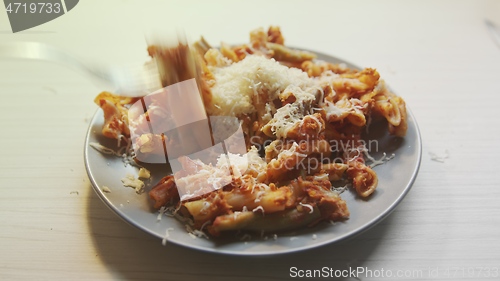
301, 121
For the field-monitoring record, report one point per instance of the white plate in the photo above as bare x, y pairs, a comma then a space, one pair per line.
395, 180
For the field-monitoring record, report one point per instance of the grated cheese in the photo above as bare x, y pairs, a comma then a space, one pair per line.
376, 162
309, 206
235, 85
270, 110
321, 177
285, 118
160, 213
130, 181
236, 214
106, 189
238, 163
144, 173
167, 234
205, 206
332, 110
439, 158
258, 196
204, 224
258, 208
102, 149
320, 126
195, 232
339, 190
200, 234
125, 152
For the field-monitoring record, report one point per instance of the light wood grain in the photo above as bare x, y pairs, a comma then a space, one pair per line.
437, 55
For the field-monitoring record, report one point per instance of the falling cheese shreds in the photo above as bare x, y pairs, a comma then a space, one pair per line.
144, 173
130, 181
106, 189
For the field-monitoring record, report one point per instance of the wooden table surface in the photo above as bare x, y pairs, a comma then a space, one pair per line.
438, 55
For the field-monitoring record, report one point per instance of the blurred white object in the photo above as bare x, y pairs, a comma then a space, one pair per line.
494, 31
134, 81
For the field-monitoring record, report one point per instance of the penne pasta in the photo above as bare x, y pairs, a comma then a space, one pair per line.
301, 119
